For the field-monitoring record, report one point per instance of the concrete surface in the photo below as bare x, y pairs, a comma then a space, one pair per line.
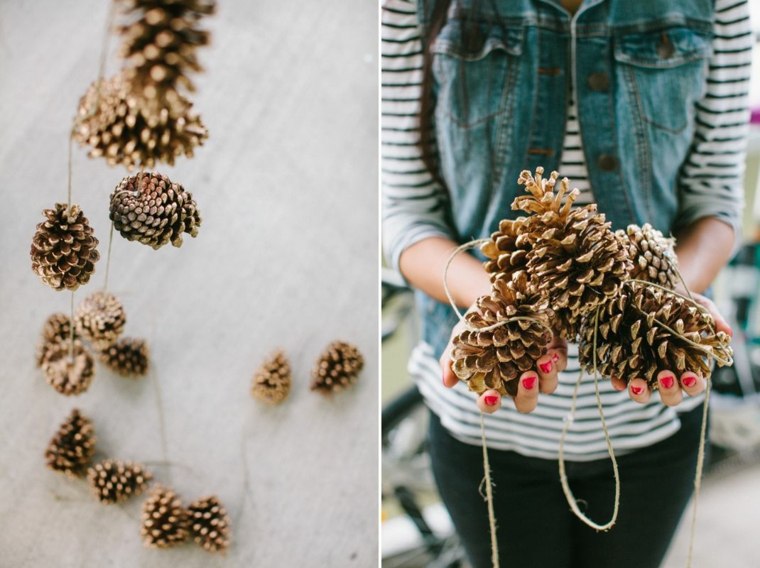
286, 257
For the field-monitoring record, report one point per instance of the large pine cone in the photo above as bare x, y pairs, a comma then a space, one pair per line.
72, 447
116, 126
69, 375
633, 342
63, 248
494, 359
149, 208
271, 382
507, 249
128, 357
209, 524
114, 481
165, 522
101, 319
57, 328
337, 368
653, 255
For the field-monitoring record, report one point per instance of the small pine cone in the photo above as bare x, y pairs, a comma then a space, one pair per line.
72, 447
114, 481
337, 367
209, 524
114, 125
63, 248
271, 382
128, 357
507, 249
100, 319
69, 375
149, 208
494, 359
653, 255
633, 342
165, 522
57, 328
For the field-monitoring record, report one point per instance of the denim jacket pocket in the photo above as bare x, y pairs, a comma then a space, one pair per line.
665, 71
473, 81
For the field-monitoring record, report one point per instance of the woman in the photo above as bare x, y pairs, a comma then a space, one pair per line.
643, 105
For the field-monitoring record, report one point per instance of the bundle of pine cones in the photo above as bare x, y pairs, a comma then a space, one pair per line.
561, 265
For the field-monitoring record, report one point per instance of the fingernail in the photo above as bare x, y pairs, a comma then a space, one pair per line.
491, 400
555, 357
689, 381
637, 390
668, 381
529, 382
545, 367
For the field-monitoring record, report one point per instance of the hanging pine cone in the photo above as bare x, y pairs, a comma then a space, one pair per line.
63, 248
128, 357
165, 522
114, 481
69, 375
337, 367
57, 328
101, 319
507, 250
115, 126
575, 257
209, 524
654, 258
494, 359
271, 382
160, 45
72, 447
149, 208
633, 340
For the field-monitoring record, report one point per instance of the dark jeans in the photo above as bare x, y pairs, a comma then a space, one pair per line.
535, 526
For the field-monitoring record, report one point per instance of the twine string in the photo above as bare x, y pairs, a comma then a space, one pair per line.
108, 258
489, 495
698, 475
71, 329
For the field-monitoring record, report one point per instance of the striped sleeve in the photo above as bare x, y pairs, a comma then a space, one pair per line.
710, 184
414, 205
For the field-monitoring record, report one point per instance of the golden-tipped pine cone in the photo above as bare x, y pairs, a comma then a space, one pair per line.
128, 357
71, 448
271, 381
57, 328
165, 522
337, 368
100, 319
114, 481
68, 371
507, 249
210, 524
653, 255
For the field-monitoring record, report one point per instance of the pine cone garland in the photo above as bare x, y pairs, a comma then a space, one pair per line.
57, 328
72, 447
494, 359
507, 250
149, 208
337, 368
128, 357
271, 382
100, 319
209, 524
63, 248
633, 342
69, 375
114, 481
165, 522
654, 259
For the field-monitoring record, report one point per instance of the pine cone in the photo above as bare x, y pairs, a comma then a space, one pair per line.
633, 342
337, 367
63, 248
494, 359
115, 126
160, 44
72, 447
575, 257
57, 328
101, 319
654, 259
128, 357
507, 250
68, 375
165, 522
271, 382
149, 208
114, 481
209, 524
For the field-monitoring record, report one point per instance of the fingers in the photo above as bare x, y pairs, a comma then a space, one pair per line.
692, 383
720, 322
527, 392
547, 373
449, 378
489, 401
617, 384
639, 391
670, 389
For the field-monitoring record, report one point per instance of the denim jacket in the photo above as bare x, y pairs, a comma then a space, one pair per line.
637, 68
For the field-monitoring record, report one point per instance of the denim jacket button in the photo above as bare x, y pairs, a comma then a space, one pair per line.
599, 81
607, 162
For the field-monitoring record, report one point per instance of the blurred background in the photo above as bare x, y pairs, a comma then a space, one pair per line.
416, 530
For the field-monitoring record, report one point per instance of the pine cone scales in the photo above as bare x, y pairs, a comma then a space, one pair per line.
654, 259
494, 359
149, 208
507, 249
633, 342
165, 522
114, 481
69, 375
209, 524
337, 368
271, 382
128, 357
64, 248
57, 328
72, 447
101, 319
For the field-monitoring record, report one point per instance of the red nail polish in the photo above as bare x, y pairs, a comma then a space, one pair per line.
529, 382
491, 400
637, 390
545, 367
667, 381
689, 381
555, 357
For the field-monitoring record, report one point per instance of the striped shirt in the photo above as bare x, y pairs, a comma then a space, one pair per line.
414, 208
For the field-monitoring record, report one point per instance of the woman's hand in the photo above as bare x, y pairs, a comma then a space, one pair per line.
670, 385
